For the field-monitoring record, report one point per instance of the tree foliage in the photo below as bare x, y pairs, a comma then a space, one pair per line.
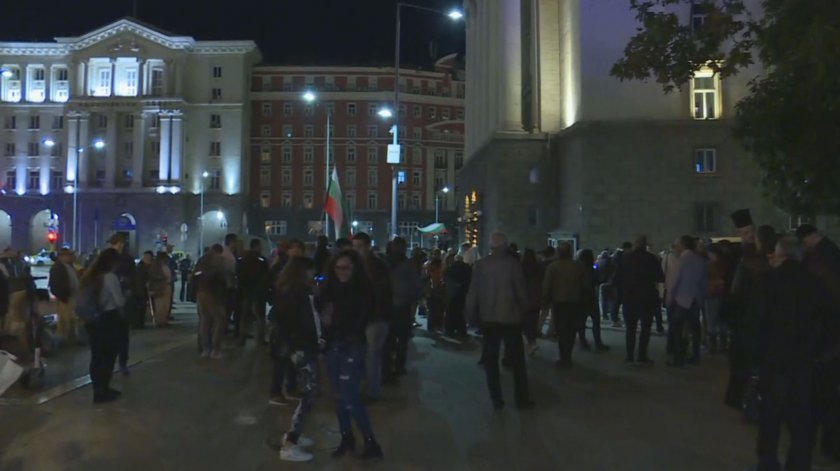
790, 120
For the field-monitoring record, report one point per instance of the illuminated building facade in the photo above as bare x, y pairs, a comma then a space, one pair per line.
131, 118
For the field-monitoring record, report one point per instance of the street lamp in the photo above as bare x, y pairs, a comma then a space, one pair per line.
49, 142
7, 73
444, 190
201, 215
385, 113
310, 97
98, 144
453, 14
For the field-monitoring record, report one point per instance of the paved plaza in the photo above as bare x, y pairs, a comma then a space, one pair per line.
180, 412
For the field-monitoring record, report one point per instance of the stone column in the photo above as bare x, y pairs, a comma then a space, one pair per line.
141, 63
86, 78
112, 153
139, 150
24, 84
83, 148
72, 143
511, 71
113, 76
176, 152
165, 139
168, 76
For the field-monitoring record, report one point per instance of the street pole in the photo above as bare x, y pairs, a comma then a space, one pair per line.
201, 220
327, 174
394, 201
437, 208
76, 185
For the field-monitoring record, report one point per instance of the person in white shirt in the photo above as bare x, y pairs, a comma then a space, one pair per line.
104, 330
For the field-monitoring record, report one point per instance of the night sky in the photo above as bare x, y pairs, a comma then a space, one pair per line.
306, 32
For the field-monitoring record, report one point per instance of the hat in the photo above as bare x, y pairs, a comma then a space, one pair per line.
741, 218
805, 230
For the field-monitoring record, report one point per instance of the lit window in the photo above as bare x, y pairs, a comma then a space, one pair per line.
401, 178
103, 84
705, 161
286, 200
265, 153
705, 95
276, 228
265, 199
308, 200
130, 88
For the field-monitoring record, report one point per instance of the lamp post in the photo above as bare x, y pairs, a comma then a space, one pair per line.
454, 15
98, 144
310, 97
444, 190
201, 214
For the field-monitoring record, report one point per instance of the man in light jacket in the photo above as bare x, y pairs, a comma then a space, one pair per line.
496, 299
687, 295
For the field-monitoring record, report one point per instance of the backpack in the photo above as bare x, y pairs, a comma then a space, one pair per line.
87, 304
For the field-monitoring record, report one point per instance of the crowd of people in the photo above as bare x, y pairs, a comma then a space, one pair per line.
768, 300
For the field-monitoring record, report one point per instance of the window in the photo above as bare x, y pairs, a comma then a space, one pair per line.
103, 84
351, 154
11, 180
705, 96
459, 114
128, 149
705, 161
373, 130
308, 154
128, 121
58, 122
440, 179
34, 149
9, 122
154, 175
797, 220
308, 199
34, 122
373, 176
10, 149
276, 228
417, 133
101, 121
415, 201
157, 82
350, 199
350, 177
417, 111
699, 14
266, 109
287, 110
351, 109
331, 108
265, 130
57, 150
215, 121
351, 131
402, 111
217, 71
155, 121
373, 200
415, 178
265, 199
308, 130
459, 160
372, 110
287, 130
287, 154
401, 201
61, 75
56, 180
286, 199
215, 179
308, 110
401, 177
265, 153
533, 216
706, 217
286, 176
431, 112
417, 157
215, 148
444, 113
34, 182
308, 176
373, 155
440, 158
265, 177
216, 94
130, 82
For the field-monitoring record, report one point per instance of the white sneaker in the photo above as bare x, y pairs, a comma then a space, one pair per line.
291, 452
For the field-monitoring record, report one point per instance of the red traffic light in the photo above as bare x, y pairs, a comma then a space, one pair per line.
52, 236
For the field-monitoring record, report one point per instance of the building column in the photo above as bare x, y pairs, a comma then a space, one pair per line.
168, 75
112, 153
83, 150
139, 150
24, 84
511, 80
141, 64
86, 78
165, 138
113, 76
176, 152
72, 143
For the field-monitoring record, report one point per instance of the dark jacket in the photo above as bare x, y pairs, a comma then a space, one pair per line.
274, 275
321, 258
381, 278
789, 319
637, 276
349, 309
457, 283
61, 285
209, 276
294, 320
252, 273
405, 282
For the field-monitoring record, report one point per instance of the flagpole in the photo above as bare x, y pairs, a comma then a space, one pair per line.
327, 176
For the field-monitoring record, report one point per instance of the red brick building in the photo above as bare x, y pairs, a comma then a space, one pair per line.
288, 146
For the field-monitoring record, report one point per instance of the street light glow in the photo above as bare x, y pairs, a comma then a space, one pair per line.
99, 144
385, 113
205, 174
455, 14
445, 189
7, 73
355, 223
69, 189
220, 215
161, 189
49, 142
309, 97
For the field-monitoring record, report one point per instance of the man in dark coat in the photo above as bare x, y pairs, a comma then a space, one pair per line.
787, 347
64, 284
638, 274
252, 275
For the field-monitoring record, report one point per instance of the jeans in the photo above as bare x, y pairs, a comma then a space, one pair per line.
396, 346
345, 363
185, 276
635, 314
104, 338
608, 302
376, 333
566, 320
511, 335
686, 321
785, 398
455, 323
590, 306
306, 366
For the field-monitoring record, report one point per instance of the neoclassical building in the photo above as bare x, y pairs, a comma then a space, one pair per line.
557, 149
129, 128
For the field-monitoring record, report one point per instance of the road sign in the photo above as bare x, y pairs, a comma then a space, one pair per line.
184, 228
393, 153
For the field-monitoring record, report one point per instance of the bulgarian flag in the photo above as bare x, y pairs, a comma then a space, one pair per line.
335, 203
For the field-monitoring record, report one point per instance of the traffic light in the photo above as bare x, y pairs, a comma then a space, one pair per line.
52, 236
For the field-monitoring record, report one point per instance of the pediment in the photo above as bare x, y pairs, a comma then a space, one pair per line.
126, 37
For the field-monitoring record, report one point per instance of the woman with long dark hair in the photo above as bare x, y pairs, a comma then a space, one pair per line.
104, 331
347, 298
294, 320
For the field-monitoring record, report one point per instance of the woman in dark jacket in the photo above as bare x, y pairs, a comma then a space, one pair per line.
346, 299
295, 319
